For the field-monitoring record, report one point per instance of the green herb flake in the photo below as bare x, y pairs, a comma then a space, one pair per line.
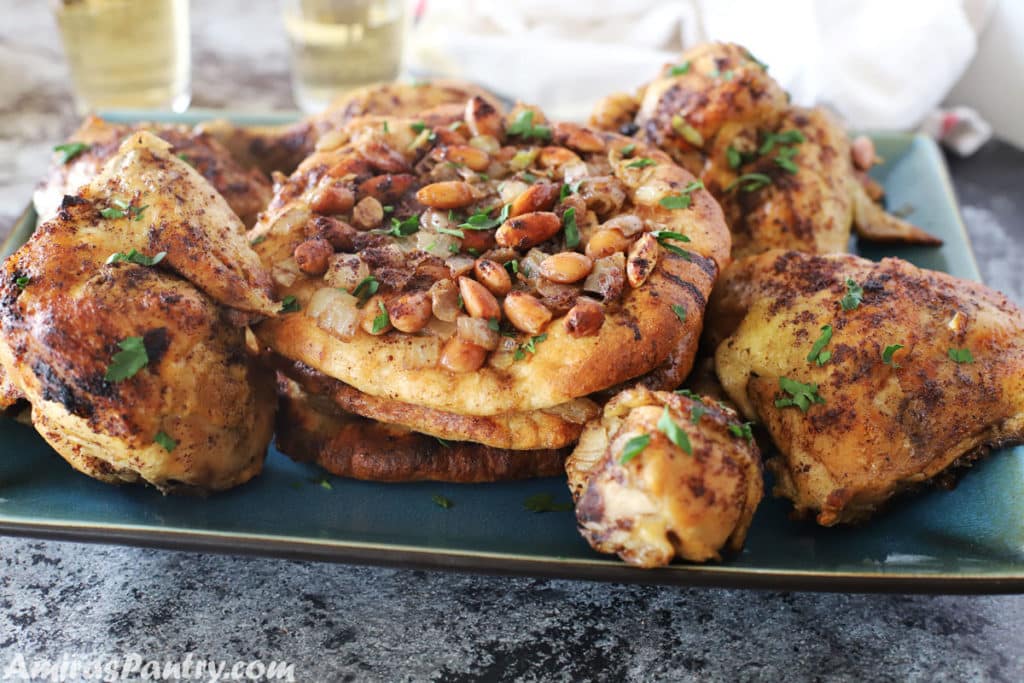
165, 440
683, 200
455, 232
381, 320
686, 131
680, 312
384, 127
184, 157
674, 432
628, 149
545, 502
481, 220
22, 281
800, 395
784, 159
680, 69
135, 257
290, 304
441, 502
665, 238
417, 126
697, 412
572, 233
733, 157
129, 360
444, 443
259, 240
528, 347
568, 189
727, 75
512, 267
366, 288
690, 395
789, 137
70, 150
750, 182
524, 128
644, 162
961, 355
854, 295
816, 354
404, 227
634, 447
326, 485
742, 431
888, 352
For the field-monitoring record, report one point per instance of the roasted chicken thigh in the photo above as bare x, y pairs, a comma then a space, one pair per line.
870, 378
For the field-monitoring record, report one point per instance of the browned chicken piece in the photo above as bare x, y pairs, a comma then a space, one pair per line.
282, 148
114, 328
786, 177
662, 475
246, 190
871, 378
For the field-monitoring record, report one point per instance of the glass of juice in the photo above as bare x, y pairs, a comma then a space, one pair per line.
337, 45
127, 54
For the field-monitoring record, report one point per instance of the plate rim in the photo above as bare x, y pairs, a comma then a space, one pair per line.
507, 564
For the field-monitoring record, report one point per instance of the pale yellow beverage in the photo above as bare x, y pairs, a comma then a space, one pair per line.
127, 54
337, 45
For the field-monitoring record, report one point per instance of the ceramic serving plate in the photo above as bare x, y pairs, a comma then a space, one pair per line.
970, 539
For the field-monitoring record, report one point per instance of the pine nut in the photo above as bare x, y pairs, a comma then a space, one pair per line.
526, 313
493, 276
528, 230
479, 302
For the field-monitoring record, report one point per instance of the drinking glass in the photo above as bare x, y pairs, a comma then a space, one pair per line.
127, 53
337, 45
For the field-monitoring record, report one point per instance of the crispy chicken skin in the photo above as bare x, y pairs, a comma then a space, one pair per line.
282, 148
664, 502
311, 428
246, 190
876, 427
651, 309
64, 311
718, 113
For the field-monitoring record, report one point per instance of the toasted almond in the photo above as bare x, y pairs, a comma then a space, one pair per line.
387, 188
643, 257
526, 313
335, 197
410, 312
470, 157
448, 194
483, 118
550, 157
478, 300
566, 267
541, 196
460, 355
605, 243
312, 256
368, 213
585, 318
493, 276
528, 230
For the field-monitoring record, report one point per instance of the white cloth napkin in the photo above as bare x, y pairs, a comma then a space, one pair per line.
882, 64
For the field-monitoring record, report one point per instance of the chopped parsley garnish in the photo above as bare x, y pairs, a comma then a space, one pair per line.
417, 126
854, 295
727, 75
165, 440
122, 209
961, 355
628, 149
326, 485
455, 232
755, 60
568, 189
674, 432
572, 233
800, 395
664, 237
384, 127
789, 137
366, 288
289, 304
528, 177
381, 320
818, 354
455, 125
679, 69
689, 394
683, 200
259, 240
22, 281
680, 312
441, 502
642, 162
686, 131
733, 157
750, 182
634, 447
528, 346
388, 208
482, 221
888, 353
523, 127
784, 159
71, 150
742, 431
512, 267
404, 227
545, 502
129, 360
697, 412
135, 257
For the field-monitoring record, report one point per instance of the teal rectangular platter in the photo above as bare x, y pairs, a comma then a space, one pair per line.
970, 539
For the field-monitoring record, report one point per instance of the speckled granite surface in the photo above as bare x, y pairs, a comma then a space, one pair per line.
350, 623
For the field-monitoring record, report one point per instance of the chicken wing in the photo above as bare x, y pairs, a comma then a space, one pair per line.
871, 378
114, 328
663, 475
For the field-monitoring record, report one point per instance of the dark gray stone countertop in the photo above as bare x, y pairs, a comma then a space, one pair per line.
337, 622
